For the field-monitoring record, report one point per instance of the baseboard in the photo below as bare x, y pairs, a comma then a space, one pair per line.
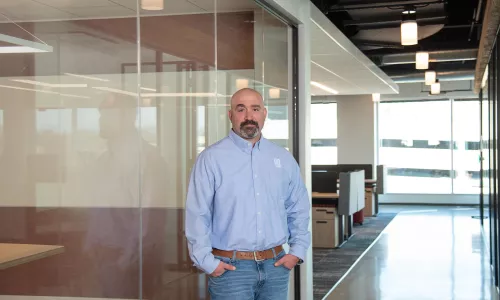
429, 199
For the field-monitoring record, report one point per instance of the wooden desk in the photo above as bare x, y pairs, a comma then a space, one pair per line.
332, 200
15, 254
325, 195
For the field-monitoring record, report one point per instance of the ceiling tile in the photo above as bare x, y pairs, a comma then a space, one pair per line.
75, 3
100, 12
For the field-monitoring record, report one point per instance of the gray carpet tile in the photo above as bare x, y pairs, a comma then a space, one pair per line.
331, 264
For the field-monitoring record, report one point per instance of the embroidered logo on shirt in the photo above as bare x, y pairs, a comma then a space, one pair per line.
277, 163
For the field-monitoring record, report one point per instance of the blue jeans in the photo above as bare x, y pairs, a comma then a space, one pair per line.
252, 280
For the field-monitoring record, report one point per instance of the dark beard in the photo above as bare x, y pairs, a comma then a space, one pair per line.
249, 133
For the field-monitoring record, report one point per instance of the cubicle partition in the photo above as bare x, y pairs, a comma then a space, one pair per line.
325, 177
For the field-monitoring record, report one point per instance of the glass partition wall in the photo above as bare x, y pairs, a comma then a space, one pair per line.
105, 106
490, 208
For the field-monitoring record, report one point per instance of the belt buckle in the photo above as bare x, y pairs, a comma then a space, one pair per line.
255, 256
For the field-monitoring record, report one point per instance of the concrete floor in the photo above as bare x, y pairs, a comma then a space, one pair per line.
427, 252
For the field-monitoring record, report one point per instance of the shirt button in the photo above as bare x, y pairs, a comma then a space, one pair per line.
260, 231
255, 176
258, 194
258, 213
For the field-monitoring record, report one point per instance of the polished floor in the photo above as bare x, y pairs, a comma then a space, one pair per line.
426, 253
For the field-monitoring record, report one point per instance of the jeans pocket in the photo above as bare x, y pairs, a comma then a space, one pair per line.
280, 255
226, 260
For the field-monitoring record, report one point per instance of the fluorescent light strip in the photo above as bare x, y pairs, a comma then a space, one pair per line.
26, 89
183, 95
324, 87
148, 89
20, 49
50, 85
23, 46
155, 95
117, 91
74, 96
86, 77
42, 91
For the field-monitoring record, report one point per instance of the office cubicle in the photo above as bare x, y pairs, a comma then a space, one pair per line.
325, 177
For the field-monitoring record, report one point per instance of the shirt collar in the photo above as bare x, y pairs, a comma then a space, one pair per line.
243, 144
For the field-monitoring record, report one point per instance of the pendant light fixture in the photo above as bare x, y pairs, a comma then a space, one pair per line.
436, 88
422, 60
430, 77
152, 4
409, 27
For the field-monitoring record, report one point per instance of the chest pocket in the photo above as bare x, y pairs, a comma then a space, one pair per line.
278, 182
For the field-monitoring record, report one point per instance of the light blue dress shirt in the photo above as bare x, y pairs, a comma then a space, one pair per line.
247, 199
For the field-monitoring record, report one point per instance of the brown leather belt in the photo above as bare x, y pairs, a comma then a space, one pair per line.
249, 255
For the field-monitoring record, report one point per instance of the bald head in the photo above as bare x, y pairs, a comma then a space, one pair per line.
245, 93
247, 114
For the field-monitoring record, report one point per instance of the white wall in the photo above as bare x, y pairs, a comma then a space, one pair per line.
356, 139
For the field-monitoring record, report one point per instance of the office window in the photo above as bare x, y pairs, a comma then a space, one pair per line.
430, 147
415, 141
466, 150
324, 134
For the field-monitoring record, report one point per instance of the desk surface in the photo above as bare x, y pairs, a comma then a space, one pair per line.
369, 181
325, 195
16, 254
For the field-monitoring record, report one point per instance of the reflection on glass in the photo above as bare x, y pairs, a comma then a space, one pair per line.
98, 134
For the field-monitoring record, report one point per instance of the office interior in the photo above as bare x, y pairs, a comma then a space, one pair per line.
390, 110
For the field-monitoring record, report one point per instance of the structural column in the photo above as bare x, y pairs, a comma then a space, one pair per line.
357, 131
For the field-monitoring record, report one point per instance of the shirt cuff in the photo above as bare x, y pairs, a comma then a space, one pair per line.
298, 251
210, 264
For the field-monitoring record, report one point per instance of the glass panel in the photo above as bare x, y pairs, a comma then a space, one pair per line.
69, 168
486, 163
99, 130
324, 134
272, 74
178, 85
186, 86
466, 154
415, 143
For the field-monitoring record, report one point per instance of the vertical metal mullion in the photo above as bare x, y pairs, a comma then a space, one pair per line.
452, 147
295, 124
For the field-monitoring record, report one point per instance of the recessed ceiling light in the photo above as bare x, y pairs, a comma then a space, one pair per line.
152, 4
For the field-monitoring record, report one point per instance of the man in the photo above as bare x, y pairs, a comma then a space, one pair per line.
245, 200
122, 187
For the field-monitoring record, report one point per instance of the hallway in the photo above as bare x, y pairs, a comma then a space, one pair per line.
426, 253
